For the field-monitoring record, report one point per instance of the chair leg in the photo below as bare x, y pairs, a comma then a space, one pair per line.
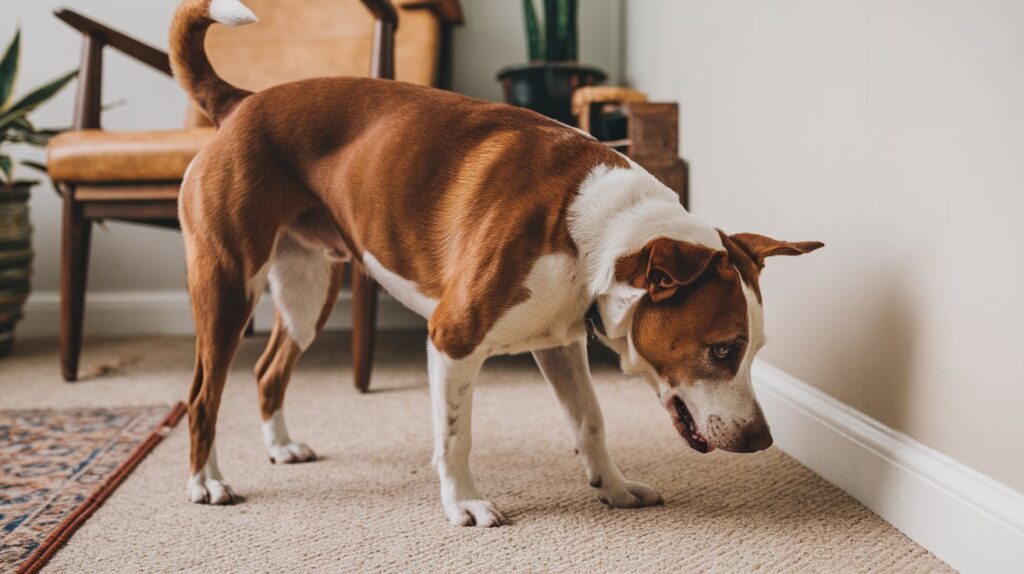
74, 263
364, 325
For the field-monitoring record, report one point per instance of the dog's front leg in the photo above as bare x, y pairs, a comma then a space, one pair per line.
451, 392
566, 369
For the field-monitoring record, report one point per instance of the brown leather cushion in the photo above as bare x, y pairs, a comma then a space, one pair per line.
93, 156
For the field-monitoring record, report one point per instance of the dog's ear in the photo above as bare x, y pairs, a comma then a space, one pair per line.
664, 265
759, 246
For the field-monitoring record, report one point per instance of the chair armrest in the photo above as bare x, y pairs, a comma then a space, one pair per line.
382, 58
382, 10
589, 95
449, 12
152, 57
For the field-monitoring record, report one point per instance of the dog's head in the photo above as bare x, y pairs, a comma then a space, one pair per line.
696, 327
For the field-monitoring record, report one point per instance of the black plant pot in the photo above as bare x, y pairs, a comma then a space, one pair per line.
547, 88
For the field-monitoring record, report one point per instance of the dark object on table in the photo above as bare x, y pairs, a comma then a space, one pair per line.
547, 88
646, 132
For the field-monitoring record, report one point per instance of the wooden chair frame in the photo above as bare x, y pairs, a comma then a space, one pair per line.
88, 203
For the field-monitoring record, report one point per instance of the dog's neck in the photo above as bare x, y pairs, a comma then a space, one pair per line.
617, 212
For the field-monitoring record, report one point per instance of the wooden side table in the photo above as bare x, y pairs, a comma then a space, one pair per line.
645, 131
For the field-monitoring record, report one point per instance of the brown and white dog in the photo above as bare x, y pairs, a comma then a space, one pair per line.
506, 229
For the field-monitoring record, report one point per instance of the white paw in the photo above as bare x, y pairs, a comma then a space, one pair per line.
474, 512
629, 494
291, 452
211, 491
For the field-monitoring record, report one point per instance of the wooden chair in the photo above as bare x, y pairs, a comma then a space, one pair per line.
135, 176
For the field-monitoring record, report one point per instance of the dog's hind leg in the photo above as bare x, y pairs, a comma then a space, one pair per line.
304, 283
223, 297
566, 369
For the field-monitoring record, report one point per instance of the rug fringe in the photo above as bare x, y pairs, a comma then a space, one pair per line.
73, 521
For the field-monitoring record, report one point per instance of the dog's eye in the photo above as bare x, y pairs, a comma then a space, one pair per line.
721, 351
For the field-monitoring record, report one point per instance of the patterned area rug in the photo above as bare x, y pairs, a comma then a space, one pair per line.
57, 468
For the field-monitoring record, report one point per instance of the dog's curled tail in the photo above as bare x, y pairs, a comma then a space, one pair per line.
188, 53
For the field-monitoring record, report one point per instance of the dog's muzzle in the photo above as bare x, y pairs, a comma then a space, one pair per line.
687, 427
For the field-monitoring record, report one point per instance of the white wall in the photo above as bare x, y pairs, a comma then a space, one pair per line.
139, 264
126, 257
893, 132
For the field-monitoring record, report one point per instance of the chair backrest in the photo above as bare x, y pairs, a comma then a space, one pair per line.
299, 39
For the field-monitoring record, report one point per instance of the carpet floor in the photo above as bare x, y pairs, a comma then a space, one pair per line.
371, 503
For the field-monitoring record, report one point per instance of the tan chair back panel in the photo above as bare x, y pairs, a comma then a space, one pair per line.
300, 39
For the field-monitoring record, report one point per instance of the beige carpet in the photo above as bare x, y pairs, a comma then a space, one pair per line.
371, 503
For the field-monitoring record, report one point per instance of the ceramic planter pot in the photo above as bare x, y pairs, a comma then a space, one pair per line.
15, 258
547, 87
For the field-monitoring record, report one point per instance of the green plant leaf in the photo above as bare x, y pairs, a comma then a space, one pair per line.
41, 94
21, 130
37, 139
8, 119
22, 124
533, 38
568, 20
41, 167
9, 69
551, 31
5, 166
560, 27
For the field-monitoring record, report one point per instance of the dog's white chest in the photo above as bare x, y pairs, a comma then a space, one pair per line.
552, 316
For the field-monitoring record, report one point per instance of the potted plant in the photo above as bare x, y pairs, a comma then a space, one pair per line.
546, 84
15, 228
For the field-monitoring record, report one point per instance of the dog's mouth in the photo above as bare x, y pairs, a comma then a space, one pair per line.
684, 423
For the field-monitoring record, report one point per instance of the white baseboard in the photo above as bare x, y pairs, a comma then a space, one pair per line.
126, 313
967, 519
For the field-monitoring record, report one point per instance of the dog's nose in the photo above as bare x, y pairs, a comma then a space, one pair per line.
759, 440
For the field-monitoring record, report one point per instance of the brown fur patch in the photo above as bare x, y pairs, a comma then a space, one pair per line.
759, 246
748, 251
677, 334
748, 270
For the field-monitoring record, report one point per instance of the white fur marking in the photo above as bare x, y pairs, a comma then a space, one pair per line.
281, 448
275, 432
551, 317
299, 281
231, 13
207, 486
399, 287
618, 211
